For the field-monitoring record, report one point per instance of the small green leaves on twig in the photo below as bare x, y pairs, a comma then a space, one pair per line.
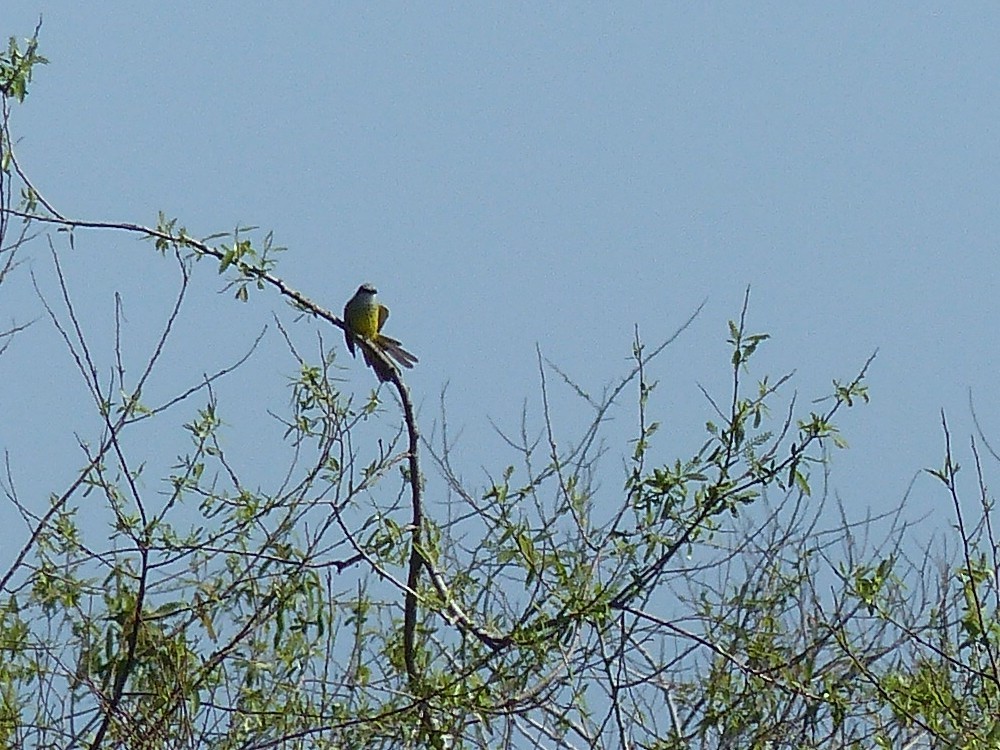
743, 345
168, 236
16, 66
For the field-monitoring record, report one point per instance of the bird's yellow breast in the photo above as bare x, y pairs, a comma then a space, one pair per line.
362, 318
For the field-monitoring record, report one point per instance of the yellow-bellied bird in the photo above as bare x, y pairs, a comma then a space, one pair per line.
364, 317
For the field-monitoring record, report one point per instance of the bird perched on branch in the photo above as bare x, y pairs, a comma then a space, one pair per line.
364, 317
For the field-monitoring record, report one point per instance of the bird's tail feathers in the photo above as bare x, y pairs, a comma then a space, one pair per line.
383, 371
394, 350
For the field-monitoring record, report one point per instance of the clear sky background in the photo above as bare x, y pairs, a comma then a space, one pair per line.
554, 174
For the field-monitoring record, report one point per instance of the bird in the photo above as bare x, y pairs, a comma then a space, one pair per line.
364, 317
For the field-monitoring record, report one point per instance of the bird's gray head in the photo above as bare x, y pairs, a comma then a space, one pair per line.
367, 288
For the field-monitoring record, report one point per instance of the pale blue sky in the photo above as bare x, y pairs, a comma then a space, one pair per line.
513, 174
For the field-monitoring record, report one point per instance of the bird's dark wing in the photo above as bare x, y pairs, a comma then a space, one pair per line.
349, 339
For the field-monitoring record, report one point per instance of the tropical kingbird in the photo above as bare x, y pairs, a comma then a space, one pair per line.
364, 317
